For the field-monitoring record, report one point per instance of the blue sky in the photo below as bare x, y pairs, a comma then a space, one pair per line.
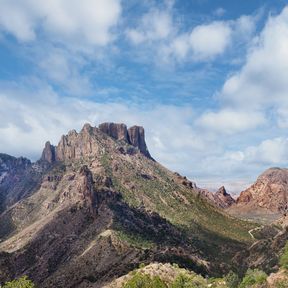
207, 79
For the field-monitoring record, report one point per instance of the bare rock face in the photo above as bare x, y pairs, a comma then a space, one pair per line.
270, 191
86, 142
266, 199
77, 145
48, 153
223, 199
137, 139
115, 130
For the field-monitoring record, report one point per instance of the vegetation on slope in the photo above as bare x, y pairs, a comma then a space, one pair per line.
22, 282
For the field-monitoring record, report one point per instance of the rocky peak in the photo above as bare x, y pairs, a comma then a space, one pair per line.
270, 191
221, 191
137, 139
221, 198
10, 163
224, 199
117, 131
86, 143
48, 153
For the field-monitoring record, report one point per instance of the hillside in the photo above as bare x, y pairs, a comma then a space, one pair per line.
266, 199
99, 205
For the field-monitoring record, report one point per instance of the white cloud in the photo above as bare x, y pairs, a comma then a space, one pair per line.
62, 68
210, 40
270, 151
90, 21
229, 121
154, 26
262, 82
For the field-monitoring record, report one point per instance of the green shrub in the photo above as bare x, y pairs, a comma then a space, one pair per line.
141, 280
232, 280
185, 281
22, 282
284, 258
252, 278
281, 284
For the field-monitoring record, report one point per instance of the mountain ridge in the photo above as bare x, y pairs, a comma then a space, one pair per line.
102, 206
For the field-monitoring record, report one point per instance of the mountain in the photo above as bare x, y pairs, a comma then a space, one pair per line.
266, 198
97, 204
220, 198
18, 177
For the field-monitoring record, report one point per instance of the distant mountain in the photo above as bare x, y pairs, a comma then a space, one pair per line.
221, 198
267, 198
18, 177
97, 204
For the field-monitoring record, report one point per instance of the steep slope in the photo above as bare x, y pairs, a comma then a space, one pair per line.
18, 178
267, 198
103, 206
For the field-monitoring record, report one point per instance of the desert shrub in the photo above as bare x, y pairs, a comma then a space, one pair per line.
232, 280
22, 282
253, 278
284, 258
141, 280
185, 281
281, 284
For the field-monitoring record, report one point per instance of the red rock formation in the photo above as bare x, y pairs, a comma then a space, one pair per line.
137, 139
115, 130
84, 144
270, 191
223, 199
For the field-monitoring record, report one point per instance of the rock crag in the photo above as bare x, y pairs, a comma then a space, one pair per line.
77, 145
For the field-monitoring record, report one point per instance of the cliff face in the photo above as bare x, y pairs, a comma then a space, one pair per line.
48, 153
223, 199
270, 191
115, 130
77, 145
137, 139
18, 178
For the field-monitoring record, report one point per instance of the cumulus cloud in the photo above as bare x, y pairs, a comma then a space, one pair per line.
159, 30
90, 21
210, 40
229, 121
28, 121
154, 26
262, 81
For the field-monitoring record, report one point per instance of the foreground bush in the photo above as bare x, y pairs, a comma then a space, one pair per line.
232, 280
140, 280
254, 278
284, 258
22, 282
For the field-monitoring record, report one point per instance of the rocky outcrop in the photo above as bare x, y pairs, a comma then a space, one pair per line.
134, 136
223, 199
48, 153
137, 139
78, 145
115, 130
270, 191
86, 142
